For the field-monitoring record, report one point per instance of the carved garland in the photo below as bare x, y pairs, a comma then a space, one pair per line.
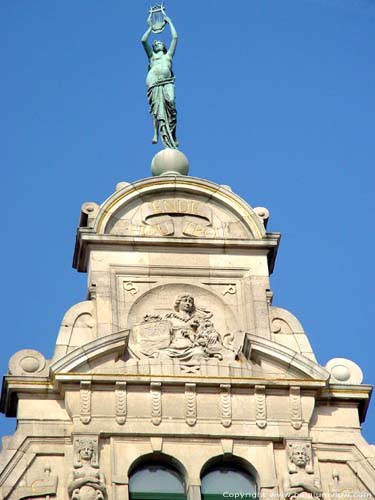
155, 393
190, 404
260, 406
295, 407
226, 405
85, 402
121, 403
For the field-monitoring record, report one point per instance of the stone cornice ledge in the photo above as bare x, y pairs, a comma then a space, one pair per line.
348, 392
87, 238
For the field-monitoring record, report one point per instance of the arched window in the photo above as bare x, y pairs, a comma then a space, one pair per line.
156, 481
227, 481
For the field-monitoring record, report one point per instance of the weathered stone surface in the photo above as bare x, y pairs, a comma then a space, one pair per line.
179, 356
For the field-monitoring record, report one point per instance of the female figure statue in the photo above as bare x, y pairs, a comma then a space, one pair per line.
186, 334
86, 482
160, 86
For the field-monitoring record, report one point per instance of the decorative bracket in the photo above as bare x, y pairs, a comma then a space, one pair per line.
155, 393
190, 404
295, 407
260, 406
85, 402
226, 404
121, 404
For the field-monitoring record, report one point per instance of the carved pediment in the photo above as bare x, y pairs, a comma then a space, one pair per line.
180, 215
183, 208
173, 210
125, 353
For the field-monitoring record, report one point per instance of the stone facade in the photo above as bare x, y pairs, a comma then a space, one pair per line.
178, 355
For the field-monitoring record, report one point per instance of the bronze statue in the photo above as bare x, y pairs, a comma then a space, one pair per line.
160, 83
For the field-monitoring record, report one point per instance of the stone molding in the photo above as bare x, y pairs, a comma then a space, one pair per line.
193, 185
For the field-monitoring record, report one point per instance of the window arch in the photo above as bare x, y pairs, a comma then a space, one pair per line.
156, 481
223, 479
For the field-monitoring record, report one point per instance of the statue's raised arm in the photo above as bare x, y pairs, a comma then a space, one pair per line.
160, 84
173, 45
144, 39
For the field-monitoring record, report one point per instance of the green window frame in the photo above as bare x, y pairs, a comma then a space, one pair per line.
220, 496
164, 476
223, 481
157, 496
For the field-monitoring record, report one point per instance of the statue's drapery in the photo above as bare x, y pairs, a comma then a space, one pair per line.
163, 109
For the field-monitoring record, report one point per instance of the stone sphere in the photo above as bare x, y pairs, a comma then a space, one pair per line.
344, 371
169, 162
30, 364
341, 372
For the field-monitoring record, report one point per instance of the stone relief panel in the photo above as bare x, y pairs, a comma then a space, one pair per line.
342, 482
86, 481
182, 215
130, 285
160, 301
301, 481
184, 324
40, 481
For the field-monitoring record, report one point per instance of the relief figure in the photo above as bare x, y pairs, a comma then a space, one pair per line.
86, 482
301, 482
191, 333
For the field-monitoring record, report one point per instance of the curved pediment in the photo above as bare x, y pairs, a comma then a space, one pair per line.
111, 354
289, 362
179, 207
82, 358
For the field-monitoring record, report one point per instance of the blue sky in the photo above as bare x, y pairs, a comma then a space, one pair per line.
275, 98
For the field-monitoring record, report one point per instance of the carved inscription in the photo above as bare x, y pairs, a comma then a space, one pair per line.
131, 288
231, 289
177, 206
180, 217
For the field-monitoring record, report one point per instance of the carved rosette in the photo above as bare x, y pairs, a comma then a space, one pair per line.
121, 403
156, 409
226, 404
190, 404
85, 402
260, 406
295, 407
